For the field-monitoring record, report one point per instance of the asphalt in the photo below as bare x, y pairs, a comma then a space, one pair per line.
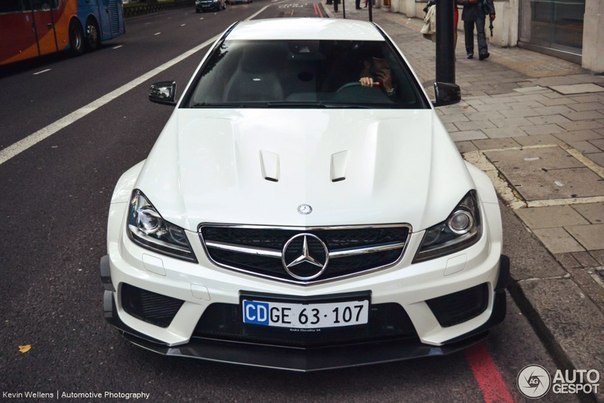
535, 124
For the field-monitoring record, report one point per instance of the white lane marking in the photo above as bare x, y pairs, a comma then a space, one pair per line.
117, 47
157, 33
183, 25
34, 138
41, 72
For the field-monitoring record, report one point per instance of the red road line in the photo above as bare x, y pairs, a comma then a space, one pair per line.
486, 373
318, 11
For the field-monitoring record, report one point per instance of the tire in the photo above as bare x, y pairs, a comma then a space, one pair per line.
76, 38
93, 39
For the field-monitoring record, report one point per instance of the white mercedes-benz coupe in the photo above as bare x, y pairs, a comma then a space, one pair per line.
304, 208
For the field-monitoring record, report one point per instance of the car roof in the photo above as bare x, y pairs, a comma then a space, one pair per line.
305, 29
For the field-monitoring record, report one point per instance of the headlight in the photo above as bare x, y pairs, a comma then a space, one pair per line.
147, 228
460, 230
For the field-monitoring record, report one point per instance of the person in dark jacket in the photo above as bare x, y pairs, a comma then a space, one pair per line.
474, 14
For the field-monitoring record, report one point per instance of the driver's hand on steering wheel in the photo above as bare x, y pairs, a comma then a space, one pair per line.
368, 82
385, 81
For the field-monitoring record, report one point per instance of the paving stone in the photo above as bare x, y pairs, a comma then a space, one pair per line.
598, 143
467, 135
452, 118
598, 158
480, 116
465, 146
568, 183
581, 125
474, 125
588, 106
552, 110
593, 212
590, 236
578, 135
538, 139
511, 122
557, 240
528, 90
567, 260
550, 217
584, 147
495, 143
519, 113
584, 115
577, 89
559, 101
543, 120
543, 129
546, 173
534, 159
450, 127
585, 259
503, 132
598, 255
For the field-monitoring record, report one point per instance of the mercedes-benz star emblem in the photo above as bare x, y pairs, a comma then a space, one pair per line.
305, 256
304, 209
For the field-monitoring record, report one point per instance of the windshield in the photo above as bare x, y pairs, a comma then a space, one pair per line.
295, 73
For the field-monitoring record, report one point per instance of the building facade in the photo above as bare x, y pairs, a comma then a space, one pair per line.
569, 29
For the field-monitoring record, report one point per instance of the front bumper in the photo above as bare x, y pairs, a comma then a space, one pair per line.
311, 357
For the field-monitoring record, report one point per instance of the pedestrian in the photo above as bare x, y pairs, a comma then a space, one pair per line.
474, 14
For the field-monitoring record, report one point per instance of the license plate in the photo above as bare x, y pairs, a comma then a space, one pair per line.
305, 316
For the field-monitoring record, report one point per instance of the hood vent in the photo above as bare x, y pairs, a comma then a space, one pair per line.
338, 166
269, 164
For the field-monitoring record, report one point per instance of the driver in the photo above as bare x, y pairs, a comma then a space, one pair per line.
376, 73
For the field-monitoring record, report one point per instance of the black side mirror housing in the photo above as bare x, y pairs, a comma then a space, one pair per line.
163, 92
446, 93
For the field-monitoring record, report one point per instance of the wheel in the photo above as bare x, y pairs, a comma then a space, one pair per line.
76, 38
93, 39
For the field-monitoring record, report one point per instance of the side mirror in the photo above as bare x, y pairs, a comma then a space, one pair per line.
163, 92
446, 93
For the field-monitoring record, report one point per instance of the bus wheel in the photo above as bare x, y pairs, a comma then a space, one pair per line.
92, 35
76, 38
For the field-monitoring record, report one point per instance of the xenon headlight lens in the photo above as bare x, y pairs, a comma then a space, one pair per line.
147, 228
459, 231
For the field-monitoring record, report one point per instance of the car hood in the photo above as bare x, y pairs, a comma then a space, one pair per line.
257, 166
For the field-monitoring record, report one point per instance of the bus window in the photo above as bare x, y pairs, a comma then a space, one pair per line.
10, 6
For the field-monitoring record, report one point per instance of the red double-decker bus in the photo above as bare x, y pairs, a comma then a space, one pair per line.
31, 28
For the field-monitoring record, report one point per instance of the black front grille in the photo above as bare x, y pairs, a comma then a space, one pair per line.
148, 306
224, 321
461, 306
335, 240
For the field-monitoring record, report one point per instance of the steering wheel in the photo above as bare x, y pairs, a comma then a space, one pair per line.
352, 84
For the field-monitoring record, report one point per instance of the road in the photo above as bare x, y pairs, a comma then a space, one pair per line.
53, 213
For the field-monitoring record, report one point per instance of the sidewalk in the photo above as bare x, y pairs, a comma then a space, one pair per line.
535, 124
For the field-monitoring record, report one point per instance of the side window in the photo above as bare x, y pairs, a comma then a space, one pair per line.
41, 4
10, 6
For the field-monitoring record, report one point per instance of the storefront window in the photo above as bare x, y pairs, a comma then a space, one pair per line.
553, 24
